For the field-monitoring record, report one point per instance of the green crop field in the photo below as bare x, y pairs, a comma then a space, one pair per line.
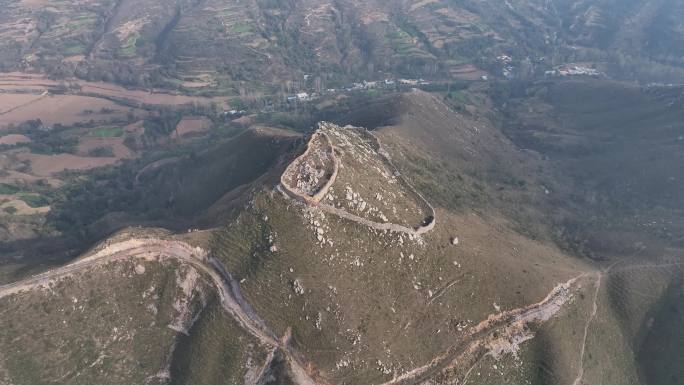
8, 189
107, 132
34, 200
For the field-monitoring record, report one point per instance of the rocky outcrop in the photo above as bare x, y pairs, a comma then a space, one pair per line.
300, 180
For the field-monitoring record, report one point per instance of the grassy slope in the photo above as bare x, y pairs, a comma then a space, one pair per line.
215, 352
607, 125
92, 326
373, 300
617, 143
661, 350
112, 326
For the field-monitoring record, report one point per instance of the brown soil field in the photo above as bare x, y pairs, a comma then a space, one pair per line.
191, 125
14, 80
244, 120
467, 72
10, 87
90, 143
64, 109
156, 98
13, 177
198, 83
26, 80
34, 3
9, 102
14, 139
135, 128
46, 165
75, 58
274, 131
23, 208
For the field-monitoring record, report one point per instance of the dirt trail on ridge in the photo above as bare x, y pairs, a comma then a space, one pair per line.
156, 249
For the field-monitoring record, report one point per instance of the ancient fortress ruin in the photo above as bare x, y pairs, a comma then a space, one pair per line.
346, 172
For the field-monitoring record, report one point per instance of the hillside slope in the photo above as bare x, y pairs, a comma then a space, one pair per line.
421, 250
253, 46
619, 146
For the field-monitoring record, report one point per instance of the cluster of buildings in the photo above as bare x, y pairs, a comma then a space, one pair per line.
364, 85
508, 70
235, 113
387, 83
526, 68
506, 63
573, 70
302, 97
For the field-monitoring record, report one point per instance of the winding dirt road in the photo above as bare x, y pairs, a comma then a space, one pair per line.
497, 335
492, 336
151, 249
476, 343
594, 310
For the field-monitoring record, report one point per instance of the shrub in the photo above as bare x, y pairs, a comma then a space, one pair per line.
102, 152
34, 200
8, 189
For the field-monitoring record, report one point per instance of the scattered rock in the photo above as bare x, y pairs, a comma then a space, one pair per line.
454, 241
343, 363
319, 321
297, 287
384, 368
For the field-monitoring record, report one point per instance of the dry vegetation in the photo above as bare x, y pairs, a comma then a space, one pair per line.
369, 304
95, 325
127, 320
494, 285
